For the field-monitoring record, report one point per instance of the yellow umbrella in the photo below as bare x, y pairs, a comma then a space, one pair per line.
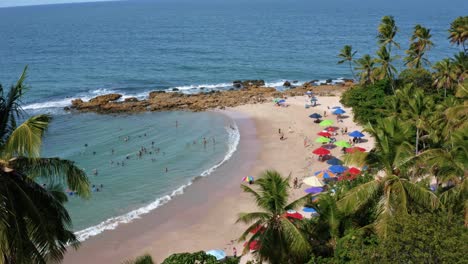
312, 181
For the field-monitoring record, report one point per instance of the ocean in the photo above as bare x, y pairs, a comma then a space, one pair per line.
133, 47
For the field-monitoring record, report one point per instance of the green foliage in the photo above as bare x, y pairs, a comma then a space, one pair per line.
420, 78
191, 258
369, 102
145, 259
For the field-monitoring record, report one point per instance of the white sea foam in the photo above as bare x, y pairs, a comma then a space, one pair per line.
112, 223
199, 86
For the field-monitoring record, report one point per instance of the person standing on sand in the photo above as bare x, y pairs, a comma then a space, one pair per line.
295, 183
324, 113
234, 252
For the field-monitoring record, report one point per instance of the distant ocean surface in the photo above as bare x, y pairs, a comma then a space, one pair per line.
133, 47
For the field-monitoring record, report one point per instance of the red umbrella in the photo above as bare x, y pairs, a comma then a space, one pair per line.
295, 215
257, 229
331, 129
321, 151
324, 134
355, 149
254, 245
353, 171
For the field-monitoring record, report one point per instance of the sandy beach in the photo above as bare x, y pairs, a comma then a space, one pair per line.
204, 216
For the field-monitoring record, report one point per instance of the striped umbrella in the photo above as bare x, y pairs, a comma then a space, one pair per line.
324, 174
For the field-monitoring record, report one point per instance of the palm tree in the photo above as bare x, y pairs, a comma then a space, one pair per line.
386, 69
394, 188
420, 44
280, 240
459, 32
366, 65
460, 63
347, 54
35, 227
387, 32
445, 75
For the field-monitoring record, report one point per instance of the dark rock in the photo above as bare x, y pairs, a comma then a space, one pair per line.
287, 84
295, 81
175, 89
329, 81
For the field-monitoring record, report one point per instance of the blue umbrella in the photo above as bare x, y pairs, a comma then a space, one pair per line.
356, 134
314, 190
308, 92
309, 210
315, 115
334, 161
339, 111
282, 101
337, 168
336, 107
217, 253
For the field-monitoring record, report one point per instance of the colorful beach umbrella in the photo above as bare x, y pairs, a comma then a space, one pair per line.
342, 143
217, 253
248, 179
353, 171
294, 214
314, 190
315, 116
355, 149
324, 134
322, 140
334, 161
326, 123
337, 168
356, 134
324, 174
309, 210
321, 151
339, 111
312, 181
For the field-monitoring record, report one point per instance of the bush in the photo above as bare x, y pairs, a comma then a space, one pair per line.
197, 258
420, 78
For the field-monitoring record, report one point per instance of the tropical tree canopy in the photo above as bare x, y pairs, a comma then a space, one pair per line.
458, 32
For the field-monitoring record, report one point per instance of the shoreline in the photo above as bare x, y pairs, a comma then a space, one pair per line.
204, 217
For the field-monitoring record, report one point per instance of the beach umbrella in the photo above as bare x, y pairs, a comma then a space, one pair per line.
315, 116
324, 174
342, 143
282, 101
276, 100
253, 246
248, 179
322, 140
309, 210
334, 161
353, 171
355, 149
259, 228
321, 151
356, 134
312, 181
336, 107
314, 99
217, 253
308, 92
326, 123
313, 190
339, 111
324, 134
337, 168
330, 129
294, 214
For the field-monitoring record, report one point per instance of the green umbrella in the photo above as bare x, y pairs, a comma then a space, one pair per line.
322, 140
276, 100
342, 143
326, 123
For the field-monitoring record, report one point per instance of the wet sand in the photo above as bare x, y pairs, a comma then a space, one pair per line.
204, 216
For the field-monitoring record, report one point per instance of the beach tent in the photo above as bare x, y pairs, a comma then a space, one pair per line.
321, 151
315, 116
339, 111
356, 134
217, 253
312, 181
326, 123
337, 168
334, 161
322, 140
313, 190
342, 143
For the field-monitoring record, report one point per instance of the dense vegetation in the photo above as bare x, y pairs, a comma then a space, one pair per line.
35, 227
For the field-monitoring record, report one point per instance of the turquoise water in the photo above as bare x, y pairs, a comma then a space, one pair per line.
141, 184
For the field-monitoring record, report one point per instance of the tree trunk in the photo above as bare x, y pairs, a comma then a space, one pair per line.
352, 72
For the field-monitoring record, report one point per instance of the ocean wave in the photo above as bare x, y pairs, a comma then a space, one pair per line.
201, 86
112, 223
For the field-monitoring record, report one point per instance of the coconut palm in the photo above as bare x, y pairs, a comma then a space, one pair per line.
386, 69
366, 66
280, 240
459, 32
460, 63
35, 227
420, 44
347, 54
394, 188
387, 32
445, 75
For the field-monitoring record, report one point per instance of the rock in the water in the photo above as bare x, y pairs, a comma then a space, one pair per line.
131, 99
175, 89
295, 81
105, 98
329, 81
287, 84
155, 93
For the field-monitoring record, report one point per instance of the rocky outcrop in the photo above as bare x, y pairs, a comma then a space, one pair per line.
287, 84
167, 101
248, 83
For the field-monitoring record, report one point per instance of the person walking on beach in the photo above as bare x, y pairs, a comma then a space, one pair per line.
234, 252
295, 183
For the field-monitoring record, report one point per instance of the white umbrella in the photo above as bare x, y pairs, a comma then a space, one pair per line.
312, 181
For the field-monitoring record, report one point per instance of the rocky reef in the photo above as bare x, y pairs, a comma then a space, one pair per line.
250, 92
